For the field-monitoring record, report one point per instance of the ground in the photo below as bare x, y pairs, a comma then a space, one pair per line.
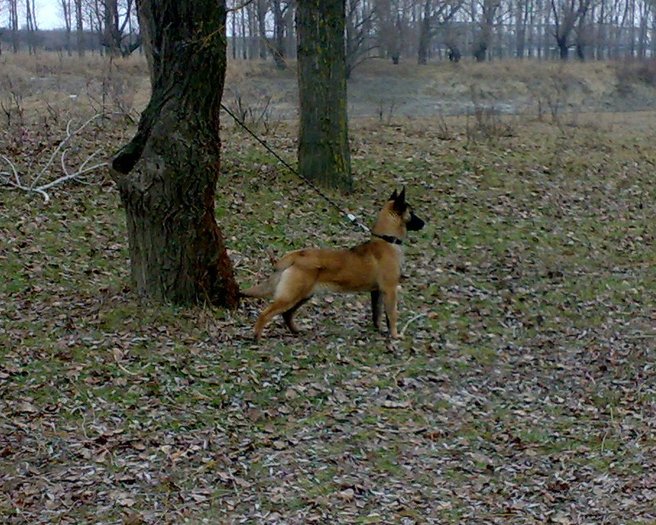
524, 390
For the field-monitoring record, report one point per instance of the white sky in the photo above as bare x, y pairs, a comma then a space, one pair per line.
48, 14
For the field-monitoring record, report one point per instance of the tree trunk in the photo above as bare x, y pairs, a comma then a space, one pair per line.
110, 24
278, 47
521, 19
167, 174
30, 24
68, 20
424, 35
13, 24
261, 24
563, 48
79, 27
323, 149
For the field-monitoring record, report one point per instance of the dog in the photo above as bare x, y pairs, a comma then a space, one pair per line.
374, 266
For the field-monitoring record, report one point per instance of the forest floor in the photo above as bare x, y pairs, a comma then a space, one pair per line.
524, 390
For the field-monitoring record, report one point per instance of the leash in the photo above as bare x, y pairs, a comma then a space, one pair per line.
352, 218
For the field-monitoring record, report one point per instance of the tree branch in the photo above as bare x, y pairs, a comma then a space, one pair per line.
12, 178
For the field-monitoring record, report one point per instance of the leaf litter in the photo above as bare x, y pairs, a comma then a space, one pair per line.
523, 391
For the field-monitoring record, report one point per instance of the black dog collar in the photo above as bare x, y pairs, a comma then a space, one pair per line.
389, 238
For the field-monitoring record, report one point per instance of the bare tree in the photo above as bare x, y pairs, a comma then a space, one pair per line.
567, 14
31, 25
488, 12
114, 18
436, 15
79, 27
167, 174
13, 24
281, 13
390, 28
360, 19
67, 15
522, 10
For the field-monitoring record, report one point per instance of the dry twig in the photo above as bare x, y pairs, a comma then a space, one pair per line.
14, 180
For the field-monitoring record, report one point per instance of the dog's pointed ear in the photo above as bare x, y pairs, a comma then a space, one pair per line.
393, 196
399, 202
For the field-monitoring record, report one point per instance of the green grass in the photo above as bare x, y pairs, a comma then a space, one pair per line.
529, 298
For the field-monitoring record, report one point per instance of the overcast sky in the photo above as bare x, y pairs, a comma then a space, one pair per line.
48, 14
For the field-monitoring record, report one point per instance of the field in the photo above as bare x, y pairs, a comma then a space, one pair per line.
524, 390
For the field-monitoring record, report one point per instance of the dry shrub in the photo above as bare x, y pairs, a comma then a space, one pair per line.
631, 72
62, 87
46, 64
487, 122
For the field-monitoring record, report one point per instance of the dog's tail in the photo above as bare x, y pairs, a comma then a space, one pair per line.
288, 260
264, 289
267, 288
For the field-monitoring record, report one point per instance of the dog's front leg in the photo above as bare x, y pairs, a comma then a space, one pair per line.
389, 299
377, 308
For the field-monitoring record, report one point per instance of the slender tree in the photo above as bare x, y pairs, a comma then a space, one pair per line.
360, 18
31, 25
13, 24
79, 27
323, 149
167, 174
68, 22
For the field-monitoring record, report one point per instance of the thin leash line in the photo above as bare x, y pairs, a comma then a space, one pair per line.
352, 218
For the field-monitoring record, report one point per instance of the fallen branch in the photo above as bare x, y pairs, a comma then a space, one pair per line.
12, 178
418, 316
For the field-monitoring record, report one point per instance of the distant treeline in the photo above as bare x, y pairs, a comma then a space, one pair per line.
425, 30
87, 25
52, 40
417, 30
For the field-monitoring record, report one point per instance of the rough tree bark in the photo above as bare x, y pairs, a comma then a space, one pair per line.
167, 174
323, 149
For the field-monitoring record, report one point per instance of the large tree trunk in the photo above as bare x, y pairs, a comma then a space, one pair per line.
167, 174
323, 149
424, 35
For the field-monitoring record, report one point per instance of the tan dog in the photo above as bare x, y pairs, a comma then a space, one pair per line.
374, 266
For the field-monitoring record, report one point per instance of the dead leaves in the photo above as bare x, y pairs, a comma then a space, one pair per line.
522, 393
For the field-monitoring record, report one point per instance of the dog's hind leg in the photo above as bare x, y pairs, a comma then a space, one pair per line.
276, 307
288, 316
291, 291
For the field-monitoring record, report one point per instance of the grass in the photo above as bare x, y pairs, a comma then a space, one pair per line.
524, 386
